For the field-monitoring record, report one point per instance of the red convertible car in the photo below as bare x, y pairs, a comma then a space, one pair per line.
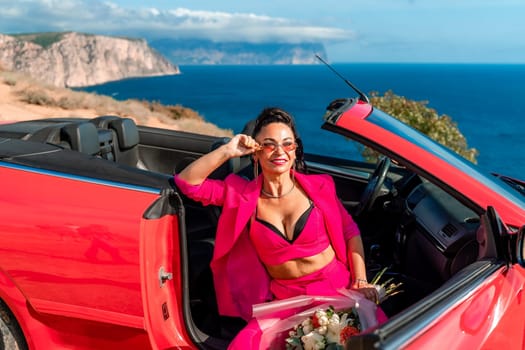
100, 251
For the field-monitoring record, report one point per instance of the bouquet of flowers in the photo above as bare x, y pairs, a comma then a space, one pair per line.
277, 318
330, 329
319, 322
325, 329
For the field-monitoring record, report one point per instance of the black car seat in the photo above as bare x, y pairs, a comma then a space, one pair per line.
77, 136
123, 141
82, 137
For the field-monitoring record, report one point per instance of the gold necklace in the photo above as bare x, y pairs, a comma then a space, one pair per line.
269, 195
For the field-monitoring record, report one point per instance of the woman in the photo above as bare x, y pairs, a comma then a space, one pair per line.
280, 235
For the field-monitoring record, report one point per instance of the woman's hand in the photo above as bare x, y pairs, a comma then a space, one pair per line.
198, 170
368, 290
241, 145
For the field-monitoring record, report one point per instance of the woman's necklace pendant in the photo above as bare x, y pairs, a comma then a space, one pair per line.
269, 195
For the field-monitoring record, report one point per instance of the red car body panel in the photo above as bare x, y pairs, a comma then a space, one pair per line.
161, 294
490, 318
84, 237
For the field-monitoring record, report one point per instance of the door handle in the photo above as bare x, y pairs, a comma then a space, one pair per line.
164, 276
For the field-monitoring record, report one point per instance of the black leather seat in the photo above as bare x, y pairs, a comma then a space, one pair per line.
125, 138
77, 136
82, 137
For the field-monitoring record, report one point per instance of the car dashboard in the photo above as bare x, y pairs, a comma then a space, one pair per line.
437, 234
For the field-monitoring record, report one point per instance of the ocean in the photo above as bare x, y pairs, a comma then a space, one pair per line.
487, 101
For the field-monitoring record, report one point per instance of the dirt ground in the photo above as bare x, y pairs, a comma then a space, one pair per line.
13, 109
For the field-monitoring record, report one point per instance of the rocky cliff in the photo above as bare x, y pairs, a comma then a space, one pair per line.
75, 59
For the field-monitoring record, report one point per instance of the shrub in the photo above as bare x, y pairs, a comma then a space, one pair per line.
11, 81
176, 112
43, 39
440, 128
36, 97
69, 102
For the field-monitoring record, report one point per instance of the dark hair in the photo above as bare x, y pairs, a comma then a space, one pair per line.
277, 115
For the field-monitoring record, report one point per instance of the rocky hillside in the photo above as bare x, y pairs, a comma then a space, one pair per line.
75, 59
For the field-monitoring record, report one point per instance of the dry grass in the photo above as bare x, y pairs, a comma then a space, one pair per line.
22, 90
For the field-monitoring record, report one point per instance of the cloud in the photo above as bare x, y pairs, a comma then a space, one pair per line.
108, 18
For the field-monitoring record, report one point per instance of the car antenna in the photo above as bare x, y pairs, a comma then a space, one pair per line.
362, 96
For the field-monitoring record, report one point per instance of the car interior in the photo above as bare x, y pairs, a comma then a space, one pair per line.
420, 232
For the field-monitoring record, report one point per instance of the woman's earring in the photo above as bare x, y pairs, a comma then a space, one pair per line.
293, 171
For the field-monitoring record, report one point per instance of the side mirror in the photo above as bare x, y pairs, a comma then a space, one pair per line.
496, 224
500, 234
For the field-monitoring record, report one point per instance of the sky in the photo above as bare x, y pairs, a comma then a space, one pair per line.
411, 31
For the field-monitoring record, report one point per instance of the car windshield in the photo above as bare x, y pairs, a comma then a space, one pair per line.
391, 124
326, 143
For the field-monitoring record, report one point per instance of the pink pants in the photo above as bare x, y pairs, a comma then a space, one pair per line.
326, 281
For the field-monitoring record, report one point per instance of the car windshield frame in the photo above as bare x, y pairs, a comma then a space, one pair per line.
402, 130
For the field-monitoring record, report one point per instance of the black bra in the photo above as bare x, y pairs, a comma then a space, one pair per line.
299, 224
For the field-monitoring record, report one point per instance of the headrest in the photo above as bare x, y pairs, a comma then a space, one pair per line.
103, 121
248, 127
233, 165
82, 137
127, 132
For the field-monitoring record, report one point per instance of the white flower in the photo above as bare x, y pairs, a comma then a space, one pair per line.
306, 322
323, 320
308, 329
313, 341
320, 313
322, 330
334, 318
307, 326
334, 328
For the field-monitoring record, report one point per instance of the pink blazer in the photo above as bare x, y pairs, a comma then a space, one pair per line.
239, 276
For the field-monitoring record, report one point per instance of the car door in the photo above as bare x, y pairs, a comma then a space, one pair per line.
490, 316
479, 308
163, 272
70, 245
379, 131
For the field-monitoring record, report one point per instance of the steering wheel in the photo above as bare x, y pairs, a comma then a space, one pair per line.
373, 187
